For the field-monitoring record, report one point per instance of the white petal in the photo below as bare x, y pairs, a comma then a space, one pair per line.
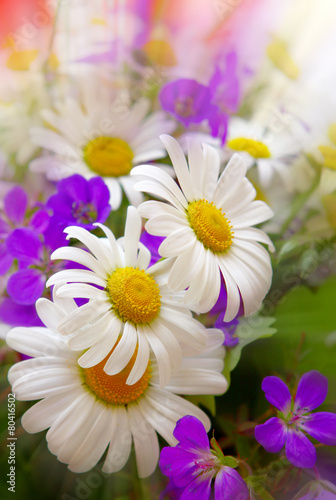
160, 191
258, 212
132, 236
120, 441
124, 350
82, 316
50, 313
232, 292
36, 341
77, 276
81, 257
163, 224
145, 442
179, 163
230, 179
90, 334
161, 355
180, 241
142, 358
101, 348
158, 420
197, 381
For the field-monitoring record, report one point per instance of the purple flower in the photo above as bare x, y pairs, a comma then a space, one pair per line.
225, 91
191, 465
80, 202
187, 100
295, 419
16, 214
15, 314
317, 490
228, 329
33, 252
152, 243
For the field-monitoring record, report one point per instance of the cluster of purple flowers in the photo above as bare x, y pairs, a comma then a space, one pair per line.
29, 234
191, 102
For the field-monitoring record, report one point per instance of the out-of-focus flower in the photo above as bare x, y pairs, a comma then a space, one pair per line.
33, 252
191, 465
129, 305
225, 90
17, 214
88, 410
259, 146
208, 228
295, 419
80, 202
187, 100
107, 138
317, 490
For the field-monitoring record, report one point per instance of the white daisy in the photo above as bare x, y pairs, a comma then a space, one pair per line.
208, 228
272, 152
130, 306
101, 136
87, 410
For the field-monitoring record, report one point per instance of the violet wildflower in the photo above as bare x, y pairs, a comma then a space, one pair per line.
187, 100
80, 202
192, 464
33, 252
17, 213
295, 419
152, 243
229, 329
225, 90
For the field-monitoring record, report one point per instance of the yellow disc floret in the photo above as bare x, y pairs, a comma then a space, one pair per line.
257, 149
210, 225
108, 156
134, 294
112, 389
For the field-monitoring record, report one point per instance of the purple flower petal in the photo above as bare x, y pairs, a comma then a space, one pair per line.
152, 243
187, 100
99, 194
299, 450
311, 392
74, 187
277, 393
39, 220
229, 485
54, 236
26, 286
199, 488
5, 228
321, 426
16, 315
271, 435
191, 433
178, 464
24, 244
6, 260
15, 204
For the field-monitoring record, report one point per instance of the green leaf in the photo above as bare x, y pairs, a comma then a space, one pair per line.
249, 329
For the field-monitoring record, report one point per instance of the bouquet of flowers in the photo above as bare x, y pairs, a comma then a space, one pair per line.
168, 216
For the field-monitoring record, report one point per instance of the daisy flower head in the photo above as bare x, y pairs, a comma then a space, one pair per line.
208, 228
101, 137
130, 310
88, 411
270, 151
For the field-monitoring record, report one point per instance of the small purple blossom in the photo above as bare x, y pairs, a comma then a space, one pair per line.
187, 100
229, 329
80, 202
152, 243
192, 464
32, 252
295, 419
17, 214
225, 92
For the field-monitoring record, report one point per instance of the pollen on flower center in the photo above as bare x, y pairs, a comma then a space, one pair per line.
257, 149
135, 295
108, 156
210, 225
112, 389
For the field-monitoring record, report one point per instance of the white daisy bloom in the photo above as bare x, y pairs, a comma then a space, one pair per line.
104, 138
272, 152
133, 310
208, 228
88, 411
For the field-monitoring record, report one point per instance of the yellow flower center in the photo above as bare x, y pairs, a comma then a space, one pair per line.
108, 156
135, 295
257, 149
112, 389
210, 225
329, 156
